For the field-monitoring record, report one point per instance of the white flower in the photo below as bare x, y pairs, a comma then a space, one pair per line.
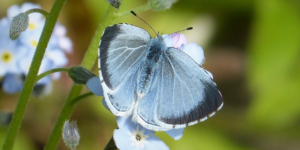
132, 136
179, 41
16, 56
10, 53
94, 85
31, 38
46, 65
64, 42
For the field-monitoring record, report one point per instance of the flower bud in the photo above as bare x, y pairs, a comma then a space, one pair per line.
79, 74
161, 4
19, 24
115, 3
71, 135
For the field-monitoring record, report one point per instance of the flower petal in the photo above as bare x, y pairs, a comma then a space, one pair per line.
66, 44
12, 83
13, 11
176, 133
125, 123
168, 40
94, 85
122, 139
178, 40
155, 143
58, 57
194, 51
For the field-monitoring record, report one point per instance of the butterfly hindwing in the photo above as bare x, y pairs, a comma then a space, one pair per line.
184, 93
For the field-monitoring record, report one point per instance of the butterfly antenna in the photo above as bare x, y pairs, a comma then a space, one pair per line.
189, 28
143, 21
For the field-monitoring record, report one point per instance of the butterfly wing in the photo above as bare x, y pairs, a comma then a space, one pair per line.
122, 49
183, 94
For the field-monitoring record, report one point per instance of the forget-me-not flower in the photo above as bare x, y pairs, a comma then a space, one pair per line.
132, 136
10, 52
16, 56
179, 41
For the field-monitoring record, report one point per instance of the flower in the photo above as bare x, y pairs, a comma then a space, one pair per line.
10, 52
176, 134
132, 136
94, 85
16, 56
64, 42
13, 83
179, 41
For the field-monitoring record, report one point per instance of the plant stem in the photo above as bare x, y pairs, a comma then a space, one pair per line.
50, 72
32, 74
88, 62
75, 100
37, 10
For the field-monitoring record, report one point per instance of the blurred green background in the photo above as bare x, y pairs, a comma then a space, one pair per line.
252, 48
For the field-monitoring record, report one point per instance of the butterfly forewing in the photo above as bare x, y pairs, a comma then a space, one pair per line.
122, 49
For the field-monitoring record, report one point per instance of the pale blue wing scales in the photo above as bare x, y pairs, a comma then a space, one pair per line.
188, 93
122, 49
182, 94
145, 108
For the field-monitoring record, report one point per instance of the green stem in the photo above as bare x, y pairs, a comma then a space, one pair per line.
136, 10
50, 72
88, 62
75, 100
37, 10
32, 74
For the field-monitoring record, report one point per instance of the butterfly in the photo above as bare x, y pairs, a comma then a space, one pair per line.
161, 87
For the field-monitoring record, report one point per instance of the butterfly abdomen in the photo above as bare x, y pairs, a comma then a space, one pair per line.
150, 64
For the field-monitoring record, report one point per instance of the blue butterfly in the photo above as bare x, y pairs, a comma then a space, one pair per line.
161, 87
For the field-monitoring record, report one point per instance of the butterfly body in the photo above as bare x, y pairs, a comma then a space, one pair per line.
161, 87
149, 66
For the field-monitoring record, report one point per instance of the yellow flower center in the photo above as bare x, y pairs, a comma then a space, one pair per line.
31, 26
33, 43
6, 57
